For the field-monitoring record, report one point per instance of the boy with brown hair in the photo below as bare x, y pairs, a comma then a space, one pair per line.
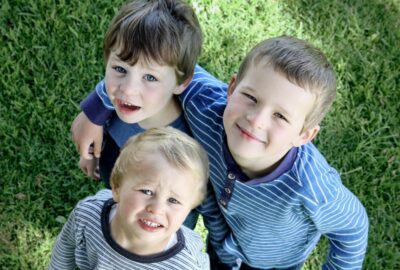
150, 51
275, 190
160, 175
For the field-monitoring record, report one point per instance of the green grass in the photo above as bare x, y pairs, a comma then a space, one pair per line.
51, 57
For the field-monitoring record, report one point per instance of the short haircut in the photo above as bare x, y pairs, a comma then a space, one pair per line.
179, 149
303, 65
166, 31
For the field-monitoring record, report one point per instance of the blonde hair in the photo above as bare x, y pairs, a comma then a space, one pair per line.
303, 65
178, 148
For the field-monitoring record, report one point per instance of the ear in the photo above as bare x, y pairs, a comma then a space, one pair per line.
180, 88
232, 85
307, 136
115, 193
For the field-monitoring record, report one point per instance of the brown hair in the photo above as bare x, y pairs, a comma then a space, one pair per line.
179, 149
166, 31
303, 65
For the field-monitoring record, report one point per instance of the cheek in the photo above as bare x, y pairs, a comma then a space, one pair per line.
156, 97
177, 217
110, 85
130, 206
231, 111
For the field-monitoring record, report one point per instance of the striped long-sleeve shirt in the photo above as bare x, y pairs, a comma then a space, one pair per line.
274, 221
85, 242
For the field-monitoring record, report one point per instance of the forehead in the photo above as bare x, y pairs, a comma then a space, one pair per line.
146, 63
153, 168
273, 87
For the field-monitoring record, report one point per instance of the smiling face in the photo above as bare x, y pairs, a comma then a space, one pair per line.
264, 117
142, 93
153, 201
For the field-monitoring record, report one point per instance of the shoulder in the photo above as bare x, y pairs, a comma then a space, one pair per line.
193, 251
318, 181
93, 205
192, 238
204, 87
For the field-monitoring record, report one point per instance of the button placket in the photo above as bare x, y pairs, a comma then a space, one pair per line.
226, 192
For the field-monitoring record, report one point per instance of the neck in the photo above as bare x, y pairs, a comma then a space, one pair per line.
254, 169
171, 111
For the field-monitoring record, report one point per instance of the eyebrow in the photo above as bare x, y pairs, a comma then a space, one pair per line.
280, 108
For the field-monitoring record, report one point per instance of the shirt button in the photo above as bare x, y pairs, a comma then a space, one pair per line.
228, 190
222, 202
231, 176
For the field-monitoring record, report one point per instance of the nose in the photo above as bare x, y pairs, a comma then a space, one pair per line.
155, 206
257, 118
130, 86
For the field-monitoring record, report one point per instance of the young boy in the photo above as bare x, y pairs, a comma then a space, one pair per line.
274, 188
160, 175
150, 51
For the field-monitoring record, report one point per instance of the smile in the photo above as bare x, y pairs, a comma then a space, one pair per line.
249, 136
151, 224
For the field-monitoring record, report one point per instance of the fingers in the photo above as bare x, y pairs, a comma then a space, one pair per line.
85, 151
96, 173
97, 146
90, 168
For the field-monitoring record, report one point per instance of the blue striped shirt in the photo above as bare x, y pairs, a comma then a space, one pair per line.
274, 224
85, 242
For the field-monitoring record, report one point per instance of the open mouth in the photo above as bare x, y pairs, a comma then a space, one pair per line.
150, 225
127, 107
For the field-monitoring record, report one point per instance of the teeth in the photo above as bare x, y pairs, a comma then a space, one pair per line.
151, 224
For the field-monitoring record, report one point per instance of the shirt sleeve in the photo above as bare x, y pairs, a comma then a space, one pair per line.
63, 255
344, 222
97, 106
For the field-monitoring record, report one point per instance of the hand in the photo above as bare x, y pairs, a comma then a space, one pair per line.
90, 167
84, 134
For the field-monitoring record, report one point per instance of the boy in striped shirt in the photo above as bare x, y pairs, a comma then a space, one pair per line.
160, 175
275, 190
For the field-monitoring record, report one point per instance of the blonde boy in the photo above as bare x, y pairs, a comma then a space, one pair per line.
159, 177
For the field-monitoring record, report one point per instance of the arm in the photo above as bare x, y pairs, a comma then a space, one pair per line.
217, 228
63, 255
344, 222
87, 127
207, 90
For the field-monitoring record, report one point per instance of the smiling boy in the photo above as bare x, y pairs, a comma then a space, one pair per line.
274, 188
160, 175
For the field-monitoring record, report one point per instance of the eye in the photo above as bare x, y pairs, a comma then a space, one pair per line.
119, 69
173, 201
150, 78
253, 99
146, 192
280, 116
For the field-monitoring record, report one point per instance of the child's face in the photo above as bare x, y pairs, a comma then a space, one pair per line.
142, 93
264, 117
153, 202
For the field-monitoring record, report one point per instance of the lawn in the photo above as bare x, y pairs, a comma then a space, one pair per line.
51, 57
